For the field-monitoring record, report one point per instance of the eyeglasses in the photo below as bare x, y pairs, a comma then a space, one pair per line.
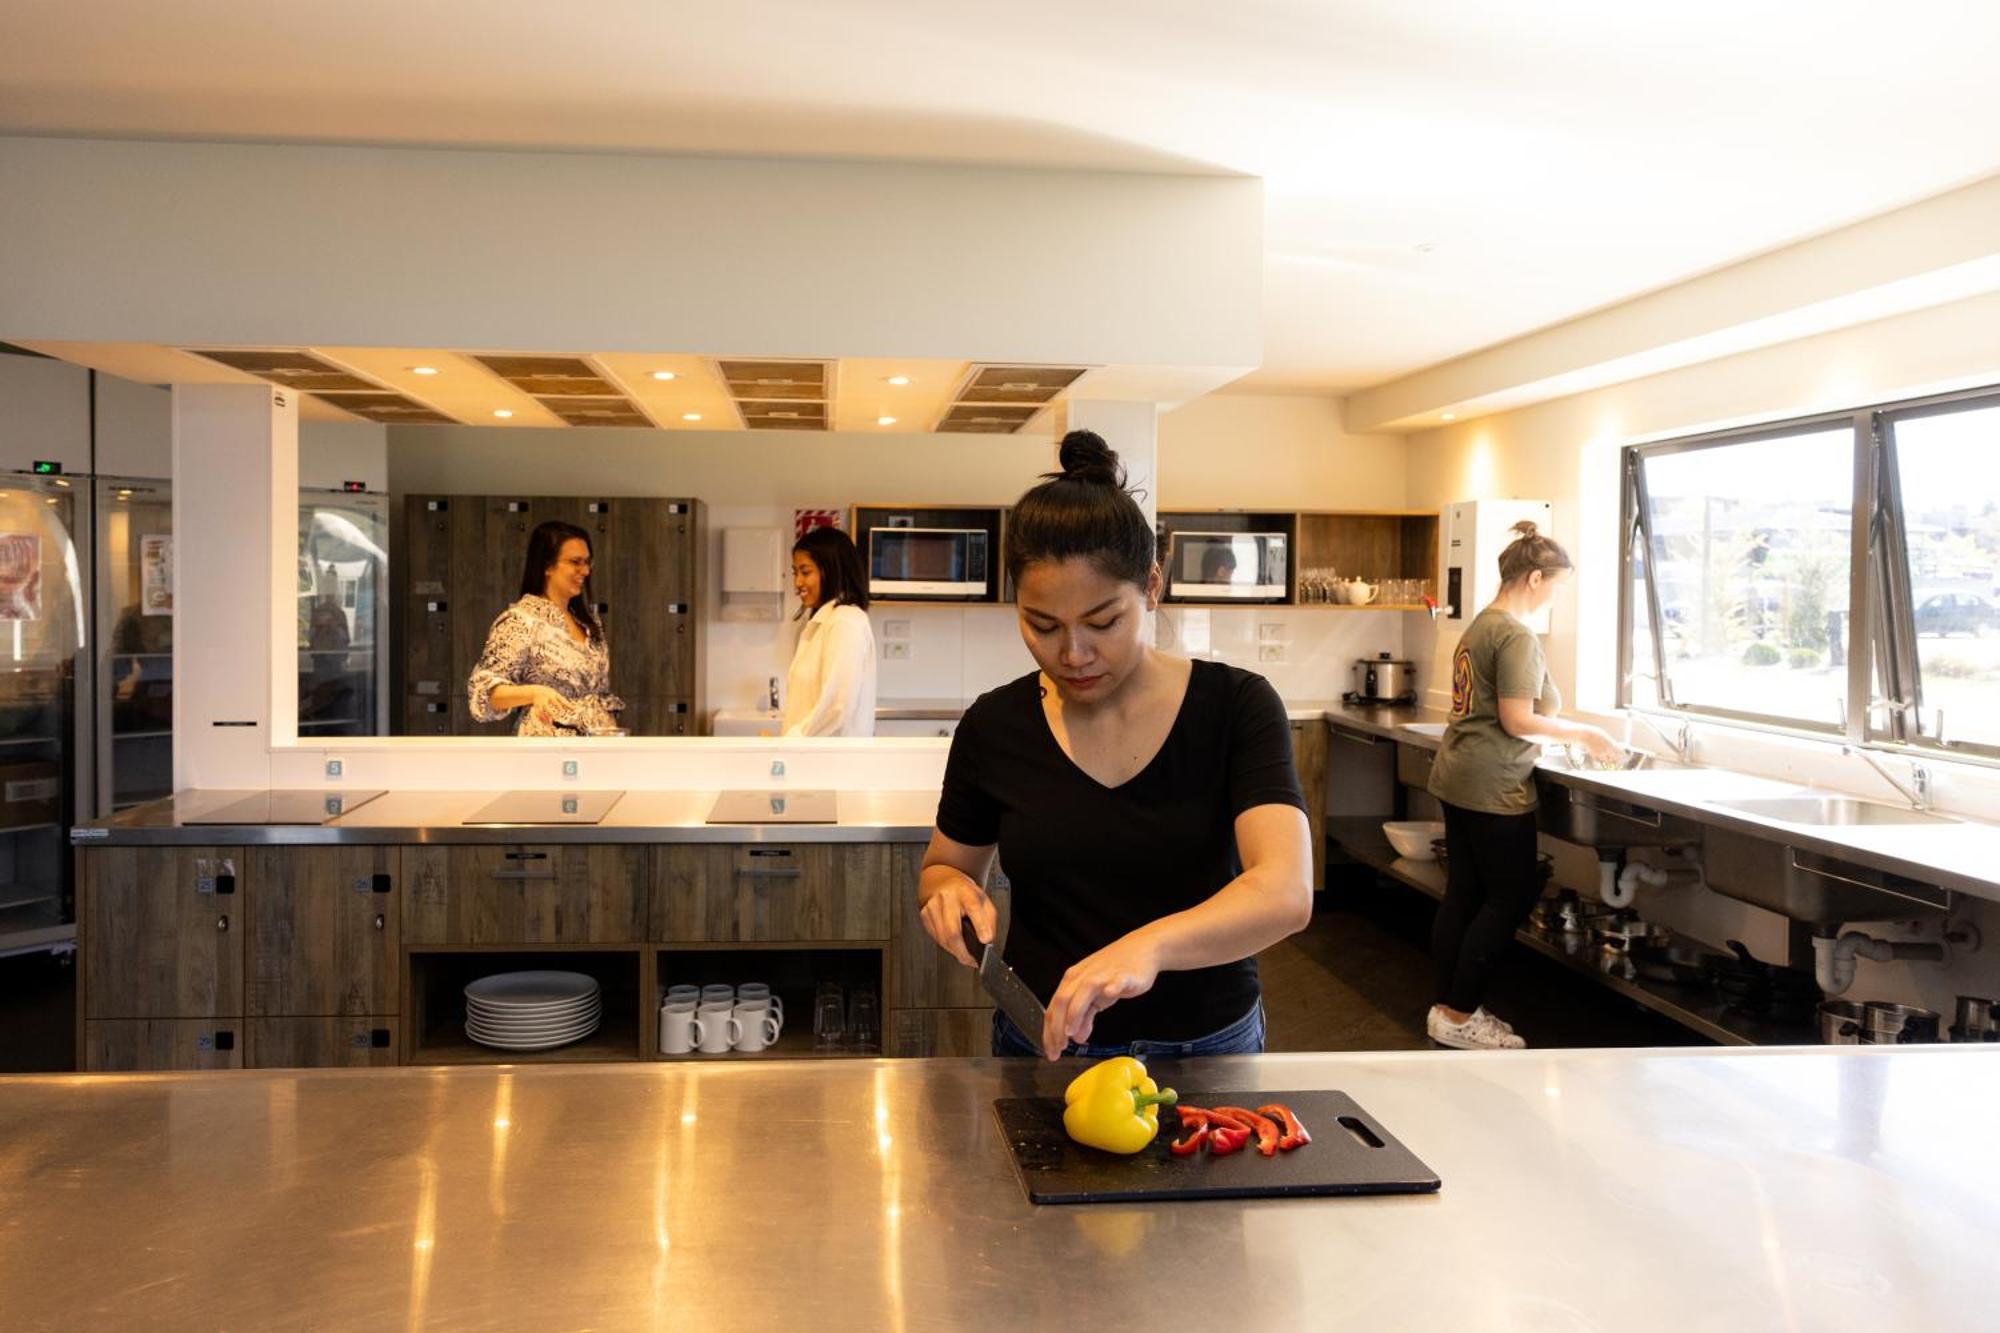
580, 564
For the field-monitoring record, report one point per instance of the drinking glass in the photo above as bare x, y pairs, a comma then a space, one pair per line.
829, 1018
864, 1019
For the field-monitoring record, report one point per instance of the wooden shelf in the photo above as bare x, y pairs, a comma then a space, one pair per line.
791, 1044
447, 1044
1697, 1009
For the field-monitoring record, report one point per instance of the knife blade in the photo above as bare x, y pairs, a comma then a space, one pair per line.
1004, 985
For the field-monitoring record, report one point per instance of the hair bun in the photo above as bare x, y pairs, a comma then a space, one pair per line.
1086, 457
1526, 527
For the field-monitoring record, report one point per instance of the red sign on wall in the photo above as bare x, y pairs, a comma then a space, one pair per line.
805, 520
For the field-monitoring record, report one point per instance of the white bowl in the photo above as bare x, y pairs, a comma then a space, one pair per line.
1412, 838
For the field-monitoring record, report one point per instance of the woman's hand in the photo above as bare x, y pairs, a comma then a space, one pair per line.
546, 704
956, 898
1120, 970
1598, 744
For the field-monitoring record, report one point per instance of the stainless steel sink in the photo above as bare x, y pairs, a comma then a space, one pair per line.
1590, 819
1808, 886
1843, 810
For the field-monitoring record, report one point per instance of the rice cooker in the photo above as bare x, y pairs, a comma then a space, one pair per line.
1385, 680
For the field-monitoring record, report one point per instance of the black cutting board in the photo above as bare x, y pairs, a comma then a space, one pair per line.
1350, 1153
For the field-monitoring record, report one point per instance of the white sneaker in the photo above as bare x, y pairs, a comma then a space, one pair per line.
1481, 1032
1504, 1025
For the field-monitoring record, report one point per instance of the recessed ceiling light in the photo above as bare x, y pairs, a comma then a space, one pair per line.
502, 412
663, 374
690, 416
885, 421
899, 380
423, 370
1447, 416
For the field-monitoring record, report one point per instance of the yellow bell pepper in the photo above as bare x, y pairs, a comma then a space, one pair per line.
1113, 1105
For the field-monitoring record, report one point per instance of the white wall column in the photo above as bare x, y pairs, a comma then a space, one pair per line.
236, 495
1133, 429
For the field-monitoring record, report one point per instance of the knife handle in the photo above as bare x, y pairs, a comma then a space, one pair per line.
971, 938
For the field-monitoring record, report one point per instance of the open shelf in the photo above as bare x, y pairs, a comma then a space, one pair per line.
793, 972
435, 1000
1698, 1009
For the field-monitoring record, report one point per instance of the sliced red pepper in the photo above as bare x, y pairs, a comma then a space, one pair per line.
1295, 1133
1233, 1116
1189, 1144
1224, 1140
1267, 1128
1192, 1116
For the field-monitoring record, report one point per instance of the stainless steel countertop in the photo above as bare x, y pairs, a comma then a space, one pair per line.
1703, 1191
439, 817
1963, 856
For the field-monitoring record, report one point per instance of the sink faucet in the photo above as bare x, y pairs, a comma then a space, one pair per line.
1681, 741
772, 698
1918, 793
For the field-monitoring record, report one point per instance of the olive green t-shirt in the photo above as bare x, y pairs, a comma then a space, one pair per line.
1479, 766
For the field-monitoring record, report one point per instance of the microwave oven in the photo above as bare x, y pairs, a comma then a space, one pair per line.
1226, 566
927, 562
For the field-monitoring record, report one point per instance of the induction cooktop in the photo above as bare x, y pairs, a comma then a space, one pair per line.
546, 807
773, 807
285, 807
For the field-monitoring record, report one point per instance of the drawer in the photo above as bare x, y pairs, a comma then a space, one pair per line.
783, 892
140, 1044
323, 1043
515, 893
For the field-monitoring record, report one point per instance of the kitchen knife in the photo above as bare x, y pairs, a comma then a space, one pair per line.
1007, 989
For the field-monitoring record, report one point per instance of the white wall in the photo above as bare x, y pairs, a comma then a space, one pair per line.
44, 413
296, 245
1267, 451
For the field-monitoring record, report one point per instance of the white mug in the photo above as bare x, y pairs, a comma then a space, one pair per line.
709, 993
677, 1024
683, 992
764, 1004
757, 1027
715, 1030
757, 990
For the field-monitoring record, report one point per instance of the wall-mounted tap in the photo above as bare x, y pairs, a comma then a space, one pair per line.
1918, 793
771, 701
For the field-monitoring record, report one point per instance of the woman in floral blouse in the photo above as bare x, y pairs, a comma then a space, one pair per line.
545, 655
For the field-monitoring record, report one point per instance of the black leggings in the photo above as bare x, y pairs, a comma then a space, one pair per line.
1491, 884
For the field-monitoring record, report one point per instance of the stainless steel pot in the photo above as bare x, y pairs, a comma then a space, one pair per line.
1976, 1019
1897, 1024
1385, 679
1840, 1022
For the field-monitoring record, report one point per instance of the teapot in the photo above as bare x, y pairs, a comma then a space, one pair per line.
1356, 593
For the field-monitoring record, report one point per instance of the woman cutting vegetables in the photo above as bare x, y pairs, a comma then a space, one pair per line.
1145, 805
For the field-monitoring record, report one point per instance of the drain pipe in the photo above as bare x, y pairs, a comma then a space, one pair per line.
1620, 886
1833, 959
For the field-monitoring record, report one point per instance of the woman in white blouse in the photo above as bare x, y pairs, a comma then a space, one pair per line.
831, 688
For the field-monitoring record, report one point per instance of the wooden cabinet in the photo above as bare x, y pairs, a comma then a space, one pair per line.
325, 930
921, 975
163, 932
929, 1032
112, 1046
465, 567
559, 893
720, 892
1309, 746
323, 1043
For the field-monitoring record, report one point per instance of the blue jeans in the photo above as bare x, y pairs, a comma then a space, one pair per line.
1243, 1037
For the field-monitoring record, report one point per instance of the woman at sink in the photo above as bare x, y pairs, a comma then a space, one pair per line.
545, 656
1145, 806
830, 690
1504, 707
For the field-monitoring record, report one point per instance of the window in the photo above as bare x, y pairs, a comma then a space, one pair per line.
1946, 473
1750, 546
1742, 596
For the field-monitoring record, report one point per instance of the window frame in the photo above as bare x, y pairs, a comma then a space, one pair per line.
1635, 513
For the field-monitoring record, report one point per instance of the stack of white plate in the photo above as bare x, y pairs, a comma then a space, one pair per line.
532, 1011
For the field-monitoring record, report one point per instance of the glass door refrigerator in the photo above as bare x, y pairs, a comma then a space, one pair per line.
135, 642
343, 573
41, 781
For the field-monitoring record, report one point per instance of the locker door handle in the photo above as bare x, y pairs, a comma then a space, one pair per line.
381, 921
222, 924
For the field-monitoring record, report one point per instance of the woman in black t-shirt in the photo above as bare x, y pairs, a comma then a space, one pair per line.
1145, 806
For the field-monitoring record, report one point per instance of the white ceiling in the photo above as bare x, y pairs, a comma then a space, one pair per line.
1440, 175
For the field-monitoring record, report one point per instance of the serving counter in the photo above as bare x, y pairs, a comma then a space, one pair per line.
1632, 1190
